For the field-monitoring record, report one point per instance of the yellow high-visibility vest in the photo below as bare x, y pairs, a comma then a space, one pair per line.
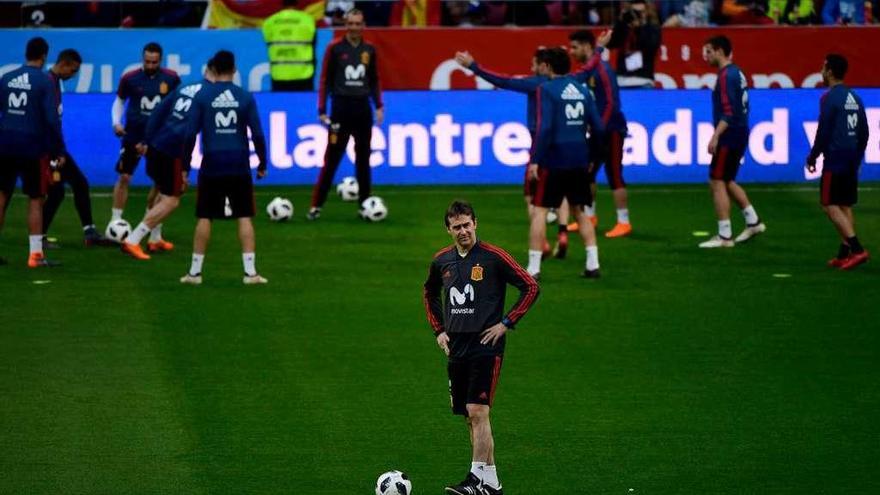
289, 34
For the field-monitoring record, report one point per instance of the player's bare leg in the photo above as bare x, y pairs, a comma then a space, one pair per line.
754, 225
483, 444
588, 235
200, 246
537, 238
162, 208
722, 210
851, 252
561, 247
247, 237
35, 234
120, 195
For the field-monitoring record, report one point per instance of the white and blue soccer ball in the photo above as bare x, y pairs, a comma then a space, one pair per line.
374, 209
348, 189
393, 483
280, 209
118, 230
552, 216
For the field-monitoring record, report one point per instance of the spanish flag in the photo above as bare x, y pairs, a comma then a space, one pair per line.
234, 14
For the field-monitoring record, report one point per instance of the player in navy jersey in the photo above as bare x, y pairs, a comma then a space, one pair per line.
842, 137
561, 158
30, 136
602, 81
350, 77
143, 89
166, 139
66, 66
223, 113
730, 115
464, 302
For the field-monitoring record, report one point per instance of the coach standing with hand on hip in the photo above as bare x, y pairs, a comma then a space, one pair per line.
351, 77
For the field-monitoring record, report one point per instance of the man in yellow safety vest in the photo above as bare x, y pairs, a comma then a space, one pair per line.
290, 36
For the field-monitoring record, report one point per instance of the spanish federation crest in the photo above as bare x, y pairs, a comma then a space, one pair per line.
163, 88
477, 273
365, 58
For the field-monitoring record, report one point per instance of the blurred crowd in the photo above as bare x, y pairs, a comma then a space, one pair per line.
465, 13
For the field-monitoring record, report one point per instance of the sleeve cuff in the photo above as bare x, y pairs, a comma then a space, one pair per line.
507, 323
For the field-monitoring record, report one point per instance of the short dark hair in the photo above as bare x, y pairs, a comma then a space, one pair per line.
837, 64
557, 59
37, 48
722, 43
538, 51
459, 207
223, 62
69, 55
583, 36
153, 47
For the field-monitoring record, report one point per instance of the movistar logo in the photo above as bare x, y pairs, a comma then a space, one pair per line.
182, 105
17, 101
227, 120
574, 110
457, 298
355, 72
148, 104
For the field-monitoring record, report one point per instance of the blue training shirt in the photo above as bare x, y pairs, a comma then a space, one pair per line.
29, 121
602, 81
565, 110
842, 135
143, 92
170, 125
223, 112
730, 103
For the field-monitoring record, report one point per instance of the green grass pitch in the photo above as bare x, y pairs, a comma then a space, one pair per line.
680, 371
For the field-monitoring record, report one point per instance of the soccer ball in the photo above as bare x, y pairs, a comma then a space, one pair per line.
118, 230
280, 209
552, 216
393, 483
227, 209
348, 189
374, 209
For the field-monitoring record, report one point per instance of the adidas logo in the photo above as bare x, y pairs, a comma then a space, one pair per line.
20, 82
191, 90
571, 93
851, 103
225, 100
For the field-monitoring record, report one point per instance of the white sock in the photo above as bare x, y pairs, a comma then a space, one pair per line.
590, 209
36, 243
196, 267
592, 257
534, 267
478, 469
724, 229
490, 477
87, 227
249, 260
622, 215
750, 215
156, 233
116, 214
139, 233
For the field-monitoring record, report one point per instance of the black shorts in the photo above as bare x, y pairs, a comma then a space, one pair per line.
473, 381
128, 159
166, 172
213, 191
725, 162
555, 184
608, 151
839, 188
34, 172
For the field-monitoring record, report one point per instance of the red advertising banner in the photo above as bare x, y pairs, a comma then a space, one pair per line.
783, 57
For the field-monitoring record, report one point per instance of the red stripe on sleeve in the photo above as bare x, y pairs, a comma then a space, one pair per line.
322, 88
726, 107
537, 123
520, 309
609, 106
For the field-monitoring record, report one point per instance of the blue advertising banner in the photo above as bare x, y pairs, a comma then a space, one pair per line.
478, 137
109, 53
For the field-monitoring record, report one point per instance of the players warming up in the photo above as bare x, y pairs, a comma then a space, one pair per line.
166, 138
30, 135
143, 88
730, 114
66, 66
607, 148
223, 113
842, 137
350, 77
561, 158
472, 277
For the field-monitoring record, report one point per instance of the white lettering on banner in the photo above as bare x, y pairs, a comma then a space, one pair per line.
511, 144
810, 129
441, 78
768, 80
85, 78
680, 142
398, 134
444, 131
759, 81
680, 132
777, 132
172, 61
